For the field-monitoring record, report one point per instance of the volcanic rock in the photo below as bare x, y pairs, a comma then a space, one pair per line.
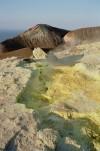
42, 35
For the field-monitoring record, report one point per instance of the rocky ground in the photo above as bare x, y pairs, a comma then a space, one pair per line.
50, 107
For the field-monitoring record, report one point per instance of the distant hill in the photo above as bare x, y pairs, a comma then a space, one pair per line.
42, 35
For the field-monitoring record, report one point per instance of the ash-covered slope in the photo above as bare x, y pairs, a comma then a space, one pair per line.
20, 53
83, 35
42, 35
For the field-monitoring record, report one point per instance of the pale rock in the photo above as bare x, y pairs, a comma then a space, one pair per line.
38, 53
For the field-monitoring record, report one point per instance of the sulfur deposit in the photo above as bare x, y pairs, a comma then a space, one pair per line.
44, 107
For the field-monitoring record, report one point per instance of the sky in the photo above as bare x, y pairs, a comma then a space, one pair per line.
68, 14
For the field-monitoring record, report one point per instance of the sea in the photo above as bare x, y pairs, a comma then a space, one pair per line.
6, 34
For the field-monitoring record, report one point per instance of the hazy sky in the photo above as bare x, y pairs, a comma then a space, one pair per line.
22, 14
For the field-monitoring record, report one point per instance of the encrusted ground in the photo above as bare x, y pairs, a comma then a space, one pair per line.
51, 108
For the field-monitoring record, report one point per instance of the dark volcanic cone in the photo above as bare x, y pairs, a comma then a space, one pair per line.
42, 35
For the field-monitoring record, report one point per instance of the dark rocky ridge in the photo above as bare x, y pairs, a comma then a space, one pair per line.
42, 35
48, 38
